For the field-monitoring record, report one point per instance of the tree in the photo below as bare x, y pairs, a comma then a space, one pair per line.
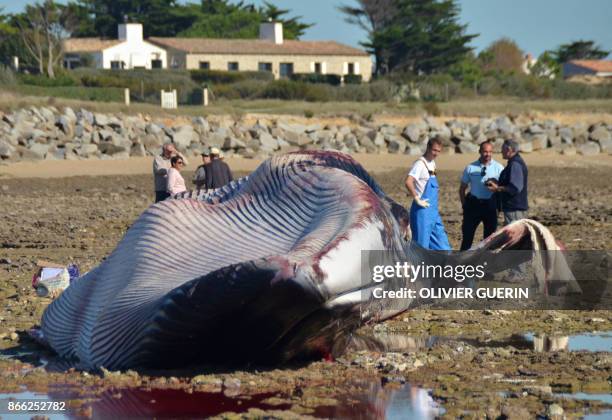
372, 16
579, 50
546, 66
42, 29
101, 17
503, 55
418, 36
222, 19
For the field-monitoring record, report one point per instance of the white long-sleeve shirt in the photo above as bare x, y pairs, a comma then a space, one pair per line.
176, 183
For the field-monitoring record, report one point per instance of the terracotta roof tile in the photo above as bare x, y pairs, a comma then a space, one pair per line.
73, 45
256, 46
604, 66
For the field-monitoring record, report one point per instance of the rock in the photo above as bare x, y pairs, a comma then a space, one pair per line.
86, 150
138, 150
397, 145
6, 150
233, 143
600, 133
39, 150
267, 142
109, 148
539, 142
568, 150
65, 125
217, 138
554, 411
100, 119
69, 113
412, 133
526, 147
152, 128
515, 412
589, 148
413, 150
183, 136
567, 135
13, 336
467, 147
535, 129
605, 146
201, 121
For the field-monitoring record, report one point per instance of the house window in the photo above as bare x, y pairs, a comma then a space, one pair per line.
204, 65
232, 66
156, 64
265, 67
351, 68
286, 69
116, 64
318, 68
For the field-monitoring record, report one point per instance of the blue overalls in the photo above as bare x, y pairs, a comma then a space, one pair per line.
426, 223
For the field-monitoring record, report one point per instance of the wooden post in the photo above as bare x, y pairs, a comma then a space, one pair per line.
126, 95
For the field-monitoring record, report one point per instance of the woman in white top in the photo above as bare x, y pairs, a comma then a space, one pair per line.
176, 183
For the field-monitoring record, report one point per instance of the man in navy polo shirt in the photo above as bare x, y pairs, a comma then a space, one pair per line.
479, 204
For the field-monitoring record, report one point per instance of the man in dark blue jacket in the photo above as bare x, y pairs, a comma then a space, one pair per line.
512, 189
512, 184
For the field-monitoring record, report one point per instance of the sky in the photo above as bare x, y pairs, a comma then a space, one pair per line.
535, 25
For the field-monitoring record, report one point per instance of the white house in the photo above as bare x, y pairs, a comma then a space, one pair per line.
598, 68
129, 51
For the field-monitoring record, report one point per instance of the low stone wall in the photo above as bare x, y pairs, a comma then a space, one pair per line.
49, 133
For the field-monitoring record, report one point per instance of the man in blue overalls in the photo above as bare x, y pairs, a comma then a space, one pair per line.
425, 221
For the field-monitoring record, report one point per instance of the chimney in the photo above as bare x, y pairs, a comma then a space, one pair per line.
131, 32
271, 31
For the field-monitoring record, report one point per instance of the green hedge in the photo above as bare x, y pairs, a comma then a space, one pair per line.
353, 79
226, 77
72, 92
62, 79
330, 79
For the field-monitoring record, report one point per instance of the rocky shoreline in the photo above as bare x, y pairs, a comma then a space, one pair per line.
38, 133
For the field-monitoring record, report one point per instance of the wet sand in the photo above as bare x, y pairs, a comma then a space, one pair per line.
66, 214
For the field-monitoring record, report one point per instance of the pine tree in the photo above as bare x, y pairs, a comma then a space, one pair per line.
419, 36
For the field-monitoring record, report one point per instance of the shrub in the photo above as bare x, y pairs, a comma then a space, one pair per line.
357, 93
353, 79
220, 76
62, 79
73, 92
7, 76
432, 108
290, 90
330, 79
308, 113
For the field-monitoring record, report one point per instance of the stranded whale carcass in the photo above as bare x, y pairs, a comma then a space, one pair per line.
265, 268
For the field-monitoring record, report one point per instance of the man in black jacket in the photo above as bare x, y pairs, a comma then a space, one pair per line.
512, 184
512, 189
217, 172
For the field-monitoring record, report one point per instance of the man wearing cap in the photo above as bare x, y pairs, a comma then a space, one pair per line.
422, 184
218, 173
161, 164
479, 204
199, 178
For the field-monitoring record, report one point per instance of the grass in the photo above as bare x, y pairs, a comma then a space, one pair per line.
12, 98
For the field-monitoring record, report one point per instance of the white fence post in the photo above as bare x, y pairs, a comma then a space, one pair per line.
205, 96
15, 63
126, 95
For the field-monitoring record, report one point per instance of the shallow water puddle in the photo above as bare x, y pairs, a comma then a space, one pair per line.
598, 341
377, 402
595, 342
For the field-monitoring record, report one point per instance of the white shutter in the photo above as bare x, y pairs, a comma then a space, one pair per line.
323, 67
312, 66
344, 68
356, 64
